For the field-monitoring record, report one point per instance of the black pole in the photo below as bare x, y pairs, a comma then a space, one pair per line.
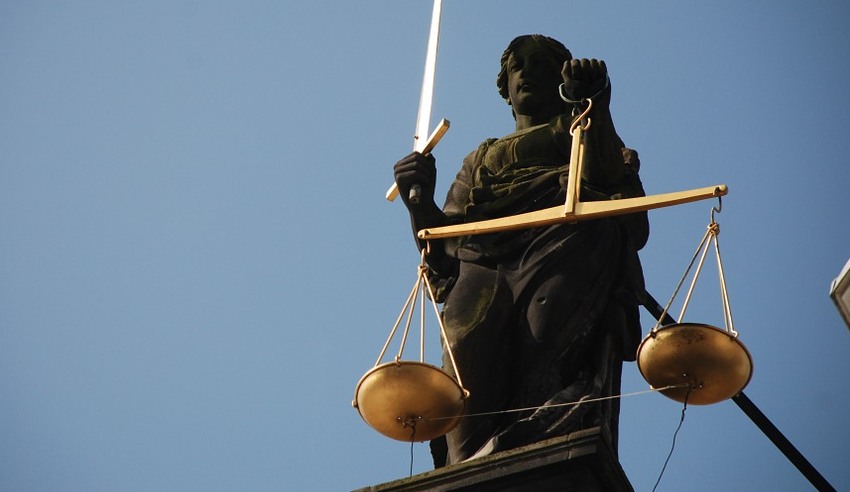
758, 418
782, 443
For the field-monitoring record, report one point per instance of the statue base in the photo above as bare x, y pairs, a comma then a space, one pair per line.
583, 461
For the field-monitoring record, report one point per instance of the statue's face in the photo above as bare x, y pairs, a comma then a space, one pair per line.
533, 80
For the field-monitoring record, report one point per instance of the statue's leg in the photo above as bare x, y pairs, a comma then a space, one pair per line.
478, 316
564, 351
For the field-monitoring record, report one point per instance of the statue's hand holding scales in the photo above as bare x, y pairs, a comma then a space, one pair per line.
585, 78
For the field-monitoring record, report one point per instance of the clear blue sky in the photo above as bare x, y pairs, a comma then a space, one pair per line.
197, 263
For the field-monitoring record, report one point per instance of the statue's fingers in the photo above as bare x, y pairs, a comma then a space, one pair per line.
586, 69
593, 65
603, 68
567, 71
575, 68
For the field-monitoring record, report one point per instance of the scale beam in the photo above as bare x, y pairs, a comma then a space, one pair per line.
583, 211
574, 210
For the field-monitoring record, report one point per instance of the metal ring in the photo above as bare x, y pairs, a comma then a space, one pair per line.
568, 100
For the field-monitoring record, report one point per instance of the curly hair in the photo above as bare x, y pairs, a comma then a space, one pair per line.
559, 53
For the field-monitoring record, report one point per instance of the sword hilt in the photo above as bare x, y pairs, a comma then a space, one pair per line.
433, 139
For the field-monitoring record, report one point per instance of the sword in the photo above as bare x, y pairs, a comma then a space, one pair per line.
423, 120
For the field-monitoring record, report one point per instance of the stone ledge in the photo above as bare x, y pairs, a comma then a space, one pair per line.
579, 462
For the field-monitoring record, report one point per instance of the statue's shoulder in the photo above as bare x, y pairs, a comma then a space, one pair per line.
487, 143
476, 157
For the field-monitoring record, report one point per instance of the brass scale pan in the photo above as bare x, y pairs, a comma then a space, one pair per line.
711, 363
409, 401
414, 401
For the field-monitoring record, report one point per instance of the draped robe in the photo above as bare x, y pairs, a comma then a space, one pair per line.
546, 315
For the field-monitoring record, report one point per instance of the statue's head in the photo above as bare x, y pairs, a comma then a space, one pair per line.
558, 52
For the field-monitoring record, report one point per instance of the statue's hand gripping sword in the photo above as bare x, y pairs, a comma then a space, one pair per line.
423, 120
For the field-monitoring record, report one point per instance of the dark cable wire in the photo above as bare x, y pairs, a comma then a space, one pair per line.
673, 446
412, 439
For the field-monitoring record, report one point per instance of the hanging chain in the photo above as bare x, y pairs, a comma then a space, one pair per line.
423, 274
408, 309
444, 335
708, 239
404, 310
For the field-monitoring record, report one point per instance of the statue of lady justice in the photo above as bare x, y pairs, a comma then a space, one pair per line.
540, 317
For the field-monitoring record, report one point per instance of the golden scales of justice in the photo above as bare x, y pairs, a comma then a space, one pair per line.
688, 362
694, 362
409, 400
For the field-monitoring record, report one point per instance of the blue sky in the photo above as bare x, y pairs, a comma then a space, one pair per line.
197, 263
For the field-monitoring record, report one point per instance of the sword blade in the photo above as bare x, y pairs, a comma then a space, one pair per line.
426, 97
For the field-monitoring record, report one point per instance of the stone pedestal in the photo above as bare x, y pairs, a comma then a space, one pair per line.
583, 461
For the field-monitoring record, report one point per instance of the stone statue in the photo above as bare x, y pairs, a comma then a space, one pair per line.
540, 316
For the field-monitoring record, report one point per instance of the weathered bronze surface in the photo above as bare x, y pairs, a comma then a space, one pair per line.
539, 317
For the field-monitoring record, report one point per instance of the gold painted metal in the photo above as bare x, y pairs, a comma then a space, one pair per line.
577, 128
409, 401
433, 140
707, 364
583, 211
